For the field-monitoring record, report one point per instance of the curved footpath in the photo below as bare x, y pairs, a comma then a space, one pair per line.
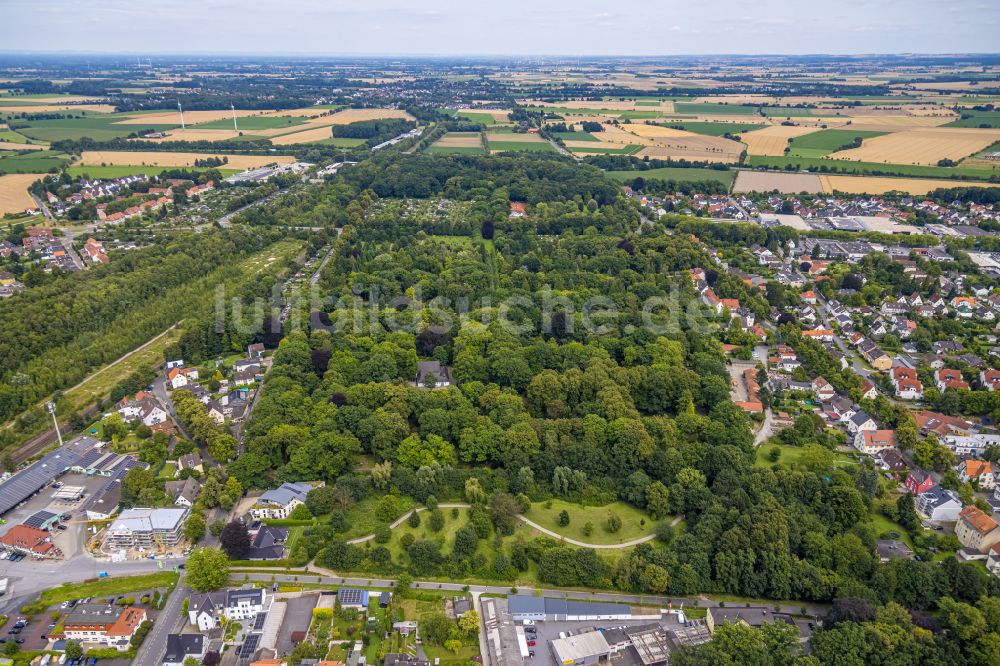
526, 521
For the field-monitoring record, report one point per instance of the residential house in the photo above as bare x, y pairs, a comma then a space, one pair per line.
823, 389
143, 408
255, 351
181, 377
352, 597
266, 542
190, 461
978, 471
874, 355
861, 422
949, 378
990, 379
101, 624
976, 529
246, 373
184, 493
205, 611
918, 481
278, 503
938, 503
30, 541
182, 646
868, 390
433, 371
890, 460
874, 441
908, 387
974, 444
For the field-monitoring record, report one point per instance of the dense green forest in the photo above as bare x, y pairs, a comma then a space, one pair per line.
557, 410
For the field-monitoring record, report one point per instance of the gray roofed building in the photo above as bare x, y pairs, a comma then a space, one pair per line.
29, 481
184, 493
281, 501
268, 543
529, 607
105, 503
581, 649
440, 373
42, 520
182, 646
146, 528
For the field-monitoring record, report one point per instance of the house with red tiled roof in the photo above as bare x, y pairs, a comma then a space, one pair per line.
824, 334
949, 378
809, 297
101, 624
980, 471
872, 441
30, 540
977, 530
732, 303
181, 377
918, 481
990, 379
907, 386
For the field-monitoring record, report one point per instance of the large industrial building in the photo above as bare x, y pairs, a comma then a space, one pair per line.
581, 649
29, 481
525, 607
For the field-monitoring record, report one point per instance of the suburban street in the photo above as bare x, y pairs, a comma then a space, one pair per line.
154, 647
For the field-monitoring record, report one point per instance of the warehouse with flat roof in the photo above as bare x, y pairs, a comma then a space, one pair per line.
29, 481
581, 650
526, 607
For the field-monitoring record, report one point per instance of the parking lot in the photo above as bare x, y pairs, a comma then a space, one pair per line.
298, 615
73, 539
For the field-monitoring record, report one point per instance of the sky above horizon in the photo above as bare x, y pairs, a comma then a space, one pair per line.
511, 27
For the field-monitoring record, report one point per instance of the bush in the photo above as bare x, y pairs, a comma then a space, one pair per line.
383, 534
414, 520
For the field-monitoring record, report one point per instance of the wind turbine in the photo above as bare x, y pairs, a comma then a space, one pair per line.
180, 111
233, 108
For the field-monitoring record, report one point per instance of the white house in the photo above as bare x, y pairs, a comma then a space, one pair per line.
278, 503
205, 610
939, 504
181, 377
860, 421
871, 442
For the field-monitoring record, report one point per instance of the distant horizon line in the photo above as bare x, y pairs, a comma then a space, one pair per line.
319, 54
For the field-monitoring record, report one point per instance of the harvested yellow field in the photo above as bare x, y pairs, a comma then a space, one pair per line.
786, 183
45, 108
460, 140
189, 134
305, 136
57, 99
615, 134
5, 145
893, 123
14, 197
190, 117
347, 116
875, 185
669, 143
922, 146
772, 140
934, 111
306, 112
152, 158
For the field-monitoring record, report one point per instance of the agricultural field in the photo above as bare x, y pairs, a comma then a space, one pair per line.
486, 117
978, 119
108, 172
772, 140
677, 174
251, 123
694, 108
714, 128
458, 143
876, 185
666, 143
100, 127
973, 171
824, 142
499, 142
575, 136
34, 162
14, 197
922, 146
600, 148
768, 181
167, 159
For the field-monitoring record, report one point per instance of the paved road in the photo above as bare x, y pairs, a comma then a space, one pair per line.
766, 428
324, 577
155, 646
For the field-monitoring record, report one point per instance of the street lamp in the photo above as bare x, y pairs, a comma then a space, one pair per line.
51, 406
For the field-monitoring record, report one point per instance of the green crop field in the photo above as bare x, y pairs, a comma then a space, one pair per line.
676, 173
978, 119
39, 162
575, 136
535, 146
484, 118
822, 165
715, 109
98, 171
339, 142
100, 127
253, 123
827, 141
13, 137
714, 129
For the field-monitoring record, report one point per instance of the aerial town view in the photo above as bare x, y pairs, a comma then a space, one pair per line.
545, 334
